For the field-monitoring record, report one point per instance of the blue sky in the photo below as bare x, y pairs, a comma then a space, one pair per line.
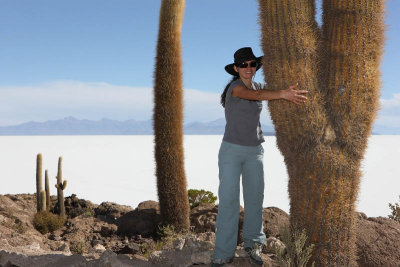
93, 59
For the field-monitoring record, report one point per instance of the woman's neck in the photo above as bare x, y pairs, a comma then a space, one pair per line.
247, 83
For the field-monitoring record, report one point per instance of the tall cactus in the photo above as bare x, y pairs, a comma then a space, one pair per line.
168, 117
324, 140
42, 200
47, 189
60, 185
39, 180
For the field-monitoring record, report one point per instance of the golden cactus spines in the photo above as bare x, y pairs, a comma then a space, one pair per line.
168, 117
353, 36
39, 180
324, 140
290, 38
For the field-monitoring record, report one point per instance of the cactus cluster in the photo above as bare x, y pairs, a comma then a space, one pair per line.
168, 117
43, 196
324, 140
42, 203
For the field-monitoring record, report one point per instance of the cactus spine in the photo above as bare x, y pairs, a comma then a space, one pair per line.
324, 140
168, 116
60, 188
47, 189
39, 179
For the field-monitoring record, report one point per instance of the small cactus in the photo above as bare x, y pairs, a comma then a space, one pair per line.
39, 179
47, 189
60, 185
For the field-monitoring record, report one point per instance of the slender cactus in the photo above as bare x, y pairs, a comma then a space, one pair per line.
324, 140
168, 117
39, 180
42, 200
60, 185
47, 189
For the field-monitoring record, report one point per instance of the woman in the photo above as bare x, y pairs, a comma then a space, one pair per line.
241, 153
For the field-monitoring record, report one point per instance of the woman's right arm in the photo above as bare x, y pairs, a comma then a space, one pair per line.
290, 94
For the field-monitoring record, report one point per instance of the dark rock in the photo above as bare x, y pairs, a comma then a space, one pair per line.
18, 260
131, 248
273, 219
110, 212
75, 206
148, 205
141, 221
108, 230
378, 242
203, 218
74, 260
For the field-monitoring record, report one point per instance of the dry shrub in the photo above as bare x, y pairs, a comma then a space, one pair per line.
395, 211
46, 221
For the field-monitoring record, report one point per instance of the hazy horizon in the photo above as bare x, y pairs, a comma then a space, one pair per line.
121, 169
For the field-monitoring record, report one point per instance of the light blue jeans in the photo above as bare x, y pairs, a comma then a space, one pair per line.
233, 161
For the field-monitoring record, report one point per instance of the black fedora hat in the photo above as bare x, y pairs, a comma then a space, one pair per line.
241, 55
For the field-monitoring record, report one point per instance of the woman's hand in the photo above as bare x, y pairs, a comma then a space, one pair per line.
293, 95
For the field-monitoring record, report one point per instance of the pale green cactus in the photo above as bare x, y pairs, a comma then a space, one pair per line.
39, 179
60, 185
42, 200
47, 189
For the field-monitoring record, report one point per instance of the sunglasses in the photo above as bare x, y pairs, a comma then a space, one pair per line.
244, 65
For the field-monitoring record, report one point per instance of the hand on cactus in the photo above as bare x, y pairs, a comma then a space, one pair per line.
293, 95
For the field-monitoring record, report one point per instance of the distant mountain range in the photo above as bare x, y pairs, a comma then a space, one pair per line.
73, 126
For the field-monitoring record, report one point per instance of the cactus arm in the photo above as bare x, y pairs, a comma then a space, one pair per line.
168, 117
64, 185
353, 37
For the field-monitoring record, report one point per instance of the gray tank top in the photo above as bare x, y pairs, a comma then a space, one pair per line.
243, 118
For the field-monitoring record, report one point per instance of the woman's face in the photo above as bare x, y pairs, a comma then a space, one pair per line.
246, 69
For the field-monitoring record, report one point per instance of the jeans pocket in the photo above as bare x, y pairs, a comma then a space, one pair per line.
224, 147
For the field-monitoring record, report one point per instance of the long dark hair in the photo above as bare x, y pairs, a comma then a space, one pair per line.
223, 95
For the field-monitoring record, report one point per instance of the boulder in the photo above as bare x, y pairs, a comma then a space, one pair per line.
75, 206
203, 218
141, 221
378, 241
110, 211
273, 219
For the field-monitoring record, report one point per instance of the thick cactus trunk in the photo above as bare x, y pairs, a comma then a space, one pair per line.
323, 141
39, 180
168, 117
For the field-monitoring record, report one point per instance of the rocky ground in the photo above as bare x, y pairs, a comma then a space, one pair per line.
114, 235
